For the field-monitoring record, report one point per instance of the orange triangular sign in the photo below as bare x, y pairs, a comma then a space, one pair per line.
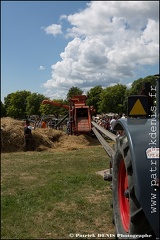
137, 109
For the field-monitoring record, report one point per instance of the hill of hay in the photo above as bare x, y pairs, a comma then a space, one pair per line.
12, 138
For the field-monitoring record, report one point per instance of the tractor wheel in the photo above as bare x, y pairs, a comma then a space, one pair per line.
129, 218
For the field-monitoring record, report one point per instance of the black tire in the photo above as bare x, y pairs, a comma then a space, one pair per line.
135, 222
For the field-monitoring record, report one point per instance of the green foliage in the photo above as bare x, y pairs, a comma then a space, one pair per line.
45, 109
74, 91
34, 101
112, 99
16, 103
94, 97
57, 111
138, 85
7, 100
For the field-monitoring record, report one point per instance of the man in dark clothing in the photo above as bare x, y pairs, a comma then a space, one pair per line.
28, 139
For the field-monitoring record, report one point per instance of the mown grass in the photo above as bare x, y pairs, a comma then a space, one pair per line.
48, 195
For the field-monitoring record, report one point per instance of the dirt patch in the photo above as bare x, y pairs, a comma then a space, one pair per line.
12, 138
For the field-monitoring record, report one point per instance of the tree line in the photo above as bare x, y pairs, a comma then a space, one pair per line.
21, 104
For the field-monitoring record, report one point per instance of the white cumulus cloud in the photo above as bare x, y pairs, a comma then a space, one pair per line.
53, 29
41, 67
110, 41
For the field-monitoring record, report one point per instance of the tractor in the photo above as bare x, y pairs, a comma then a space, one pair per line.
134, 168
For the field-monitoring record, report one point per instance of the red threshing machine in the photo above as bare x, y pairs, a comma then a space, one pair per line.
80, 115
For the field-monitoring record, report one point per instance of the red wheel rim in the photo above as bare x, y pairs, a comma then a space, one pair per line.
123, 201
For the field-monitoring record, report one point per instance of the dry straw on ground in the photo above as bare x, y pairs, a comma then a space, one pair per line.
12, 138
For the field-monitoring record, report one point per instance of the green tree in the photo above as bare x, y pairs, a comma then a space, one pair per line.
94, 97
15, 104
137, 87
7, 100
73, 91
112, 99
57, 111
45, 109
34, 101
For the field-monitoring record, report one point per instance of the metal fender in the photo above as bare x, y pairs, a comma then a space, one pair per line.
143, 139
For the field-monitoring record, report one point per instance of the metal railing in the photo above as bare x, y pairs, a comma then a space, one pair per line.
99, 131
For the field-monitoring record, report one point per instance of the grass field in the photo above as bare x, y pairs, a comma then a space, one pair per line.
51, 194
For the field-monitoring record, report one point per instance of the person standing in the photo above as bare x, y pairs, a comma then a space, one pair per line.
112, 124
68, 127
44, 124
28, 139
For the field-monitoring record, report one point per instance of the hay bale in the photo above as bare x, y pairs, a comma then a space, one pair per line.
11, 135
73, 142
12, 138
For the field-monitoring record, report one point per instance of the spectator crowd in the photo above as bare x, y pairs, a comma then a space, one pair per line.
109, 122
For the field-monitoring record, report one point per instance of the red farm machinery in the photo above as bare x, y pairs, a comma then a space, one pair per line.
80, 115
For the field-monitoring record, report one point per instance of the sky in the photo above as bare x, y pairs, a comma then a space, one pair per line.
47, 47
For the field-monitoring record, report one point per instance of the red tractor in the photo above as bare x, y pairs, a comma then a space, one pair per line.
80, 115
